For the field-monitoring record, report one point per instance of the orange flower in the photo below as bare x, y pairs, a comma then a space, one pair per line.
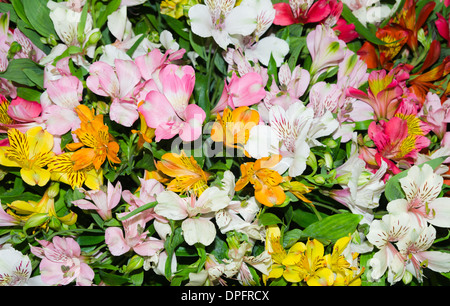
266, 182
145, 133
395, 38
94, 136
186, 174
233, 127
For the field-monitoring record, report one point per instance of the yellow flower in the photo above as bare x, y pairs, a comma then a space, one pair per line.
283, 263
185, 175
314, 265
265, 181
4, 117
296, 188
43, 210
62, 170
145, 133
94, 136
233, 127
31, 152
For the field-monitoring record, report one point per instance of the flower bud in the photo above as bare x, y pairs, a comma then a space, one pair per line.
319, 179
94, 38
135, 262
407, 277
35, 221
15, 47
53, 190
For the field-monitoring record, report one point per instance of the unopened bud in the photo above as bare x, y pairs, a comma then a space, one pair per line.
53, 190
35, 221
135, 262
328, 160
94, 38
319, 179
407, 277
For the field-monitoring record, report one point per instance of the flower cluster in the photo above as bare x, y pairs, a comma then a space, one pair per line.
224, 142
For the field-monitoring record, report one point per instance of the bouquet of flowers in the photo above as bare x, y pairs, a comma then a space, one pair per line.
224, 142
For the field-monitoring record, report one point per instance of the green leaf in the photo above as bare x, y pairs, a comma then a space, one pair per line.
269, 219
333, 227
393, 189
359, 27
138, 210
16, 71
38, 15
104, 10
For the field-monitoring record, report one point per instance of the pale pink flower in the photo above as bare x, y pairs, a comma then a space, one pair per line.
59, 101
118, 83
436, 114
132, 237
326, 50
101, 201
167, 109
6, 219
62, 262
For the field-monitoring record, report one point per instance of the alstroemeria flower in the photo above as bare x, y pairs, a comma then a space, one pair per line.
436, 114
233, 127
414, 248
422, 188
167, 108
195, 213
95, 142
383, 234
326, 50
383, 95
442, 25
31, 152
100, 201
221, 19
265, 181
118, 83
42, 212
15, 268
246, 90
63, 262
302, 11
185, 175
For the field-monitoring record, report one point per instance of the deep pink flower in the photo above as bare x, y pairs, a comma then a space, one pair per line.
301, 11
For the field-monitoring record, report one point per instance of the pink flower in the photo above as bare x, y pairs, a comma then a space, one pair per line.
442, 26
19, 113
62, 262
345, 31
301, 11
102, 202
63, 95
241, 91
167, 109
118, 83
383, 95
132, 238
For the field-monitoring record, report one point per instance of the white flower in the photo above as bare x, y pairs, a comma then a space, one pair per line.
286, 135
195, 213
414, 248
422, 188
15, 268
383, 233
221, 19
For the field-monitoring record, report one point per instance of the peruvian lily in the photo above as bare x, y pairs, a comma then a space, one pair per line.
118, 83
286, 135
19, 114
146, 193
412, 21
383, 95
30, 151
132, 237
414, 247
195, 213
63, 262
15, 268
302, 11
326, 50
292, 86
246, 90
368, 11
442, 25
422, 203
167, 109
383, 234
100, 201
436, 114
59, 101
221, 19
